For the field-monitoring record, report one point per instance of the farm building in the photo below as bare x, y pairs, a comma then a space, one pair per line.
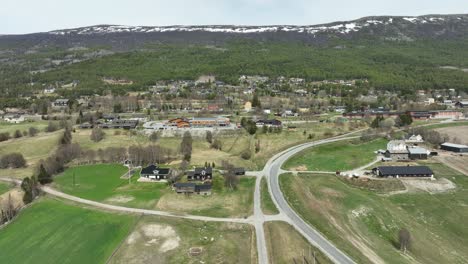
454, 147
416, 153
189, 187
396, 150
403, 171
414, 139
269, 123
153, 172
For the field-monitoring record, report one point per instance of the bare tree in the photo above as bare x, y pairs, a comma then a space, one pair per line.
186, 146
231, 180
97, 134
404, 237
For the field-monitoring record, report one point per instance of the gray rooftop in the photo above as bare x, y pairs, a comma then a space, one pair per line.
453, 145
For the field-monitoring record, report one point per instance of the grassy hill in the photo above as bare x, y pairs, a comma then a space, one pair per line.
365, 224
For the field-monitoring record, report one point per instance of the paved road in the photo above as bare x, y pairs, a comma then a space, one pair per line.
272, 171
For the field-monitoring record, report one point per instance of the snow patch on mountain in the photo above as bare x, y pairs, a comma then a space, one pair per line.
341, 27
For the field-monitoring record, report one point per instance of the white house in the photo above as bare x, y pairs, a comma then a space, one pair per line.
14, 118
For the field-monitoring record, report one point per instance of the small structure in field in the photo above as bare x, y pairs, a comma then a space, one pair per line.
403, 171
454, 147
190, 188
155, 173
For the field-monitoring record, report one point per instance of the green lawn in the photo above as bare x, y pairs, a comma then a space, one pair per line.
168, 240
450, 124
11, 128
337, 156
365, 224
102, 183
53, 232
4, 187
268, 207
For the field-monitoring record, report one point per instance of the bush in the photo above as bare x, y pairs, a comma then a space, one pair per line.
17, 134
33, 131
246, 154
217, 144
51, 127
4, 136
13, 160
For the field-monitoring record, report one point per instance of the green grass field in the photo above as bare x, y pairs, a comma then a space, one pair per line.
286, 245
336, 156
268, 207
11, 128
168, 240
4, 187
365, 224
102, 183
51, 232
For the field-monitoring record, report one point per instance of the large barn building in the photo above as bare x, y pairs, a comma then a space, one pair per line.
454, 147
403, 171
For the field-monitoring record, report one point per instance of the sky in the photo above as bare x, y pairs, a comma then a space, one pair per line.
28, 16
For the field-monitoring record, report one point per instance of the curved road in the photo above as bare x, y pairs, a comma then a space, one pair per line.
272, 171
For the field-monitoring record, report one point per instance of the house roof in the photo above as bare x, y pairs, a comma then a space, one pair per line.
417, 150
405, 170
452, 145
184, 184
154, 170
207, 170
202, 187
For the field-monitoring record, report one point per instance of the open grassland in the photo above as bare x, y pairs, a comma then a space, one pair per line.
11, 128
365, 224
268, 207
336, 156
32, 148
50, 231
460, 132
449, 124
103, 183
286, 245
169, 240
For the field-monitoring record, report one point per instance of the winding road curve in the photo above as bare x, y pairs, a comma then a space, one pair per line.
272, 171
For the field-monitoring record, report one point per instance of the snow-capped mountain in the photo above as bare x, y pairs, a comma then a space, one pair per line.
336, 27
130, 37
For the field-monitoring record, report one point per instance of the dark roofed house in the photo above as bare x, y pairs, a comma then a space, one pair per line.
184, 187
203, 189
200, 174
403, 171
153, 172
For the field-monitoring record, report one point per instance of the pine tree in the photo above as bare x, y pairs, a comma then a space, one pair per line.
44, 177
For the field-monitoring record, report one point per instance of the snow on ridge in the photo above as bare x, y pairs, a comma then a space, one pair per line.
343, 27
